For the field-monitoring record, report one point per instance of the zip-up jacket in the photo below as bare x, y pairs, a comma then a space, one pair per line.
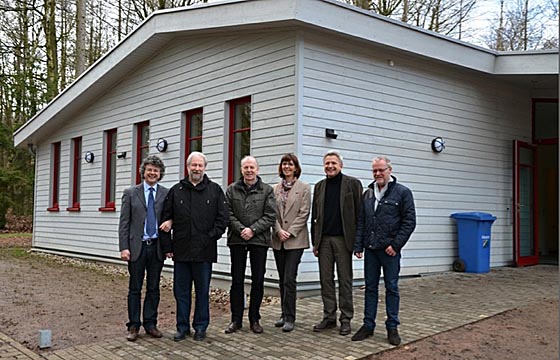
391, 223
254, 208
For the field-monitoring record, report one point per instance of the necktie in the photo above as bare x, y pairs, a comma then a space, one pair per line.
151, 223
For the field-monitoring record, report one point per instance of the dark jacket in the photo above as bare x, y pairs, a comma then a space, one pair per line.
199, 219
350, 199
255, 209
391, 223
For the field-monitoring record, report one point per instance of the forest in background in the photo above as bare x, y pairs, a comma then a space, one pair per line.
46, 44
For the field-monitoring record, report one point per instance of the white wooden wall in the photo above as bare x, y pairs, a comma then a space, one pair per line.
188, 73
318, 83
379, 109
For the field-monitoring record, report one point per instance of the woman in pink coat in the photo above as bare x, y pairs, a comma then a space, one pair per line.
291, 235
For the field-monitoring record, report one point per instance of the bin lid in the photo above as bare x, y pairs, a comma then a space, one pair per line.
474, 215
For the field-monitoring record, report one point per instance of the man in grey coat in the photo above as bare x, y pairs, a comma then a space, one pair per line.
252, 213
336, 202
138, 243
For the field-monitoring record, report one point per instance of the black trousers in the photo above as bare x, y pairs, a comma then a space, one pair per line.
150, 266
287, 263
257, 257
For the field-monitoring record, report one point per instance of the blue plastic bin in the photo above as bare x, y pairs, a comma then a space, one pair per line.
474, 233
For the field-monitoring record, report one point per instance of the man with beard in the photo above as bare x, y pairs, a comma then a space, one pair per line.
196, 209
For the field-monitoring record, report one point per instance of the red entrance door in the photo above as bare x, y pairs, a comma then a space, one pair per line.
525, 205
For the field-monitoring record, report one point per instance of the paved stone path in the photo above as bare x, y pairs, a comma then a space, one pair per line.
429, 305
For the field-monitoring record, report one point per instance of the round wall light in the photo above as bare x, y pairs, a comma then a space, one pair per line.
89, 157
161, 145
438, 144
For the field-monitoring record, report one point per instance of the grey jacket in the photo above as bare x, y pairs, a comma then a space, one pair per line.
133, 215
391, 223
255, 209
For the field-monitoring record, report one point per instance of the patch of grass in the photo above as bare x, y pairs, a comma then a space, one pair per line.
16, 252
12, 235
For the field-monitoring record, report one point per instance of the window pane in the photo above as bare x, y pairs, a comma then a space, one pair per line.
196, 125
196, 145
242, 116
546, 120
240, 150
145, 136
77, 170
112, 177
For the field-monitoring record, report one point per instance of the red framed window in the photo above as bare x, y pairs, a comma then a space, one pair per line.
75, 174
55, 177
545, 121
142, 146
193, 133
110, 170
239, 135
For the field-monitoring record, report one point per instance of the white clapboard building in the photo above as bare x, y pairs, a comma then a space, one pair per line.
268, 77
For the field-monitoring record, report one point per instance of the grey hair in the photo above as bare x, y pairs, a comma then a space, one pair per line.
247, 157
334, 153
384, 158
154, 161
199, 154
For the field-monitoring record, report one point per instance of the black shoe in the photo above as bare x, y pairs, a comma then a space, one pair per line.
257, 328
393, 336
324, 325
288, 326
279, 323
363, 333
181, 335
232, 327
199, 335
345, 328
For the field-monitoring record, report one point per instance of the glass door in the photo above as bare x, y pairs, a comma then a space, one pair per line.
525, 219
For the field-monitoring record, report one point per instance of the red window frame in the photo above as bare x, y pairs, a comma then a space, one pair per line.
76, 174
110, 170
234, 159
191, 139
55, 178
142, 147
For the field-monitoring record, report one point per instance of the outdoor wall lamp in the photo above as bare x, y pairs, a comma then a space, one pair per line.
161, 145
331, 134
89, 157
121, 155
438, 144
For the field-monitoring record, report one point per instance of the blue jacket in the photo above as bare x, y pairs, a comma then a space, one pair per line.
391, 223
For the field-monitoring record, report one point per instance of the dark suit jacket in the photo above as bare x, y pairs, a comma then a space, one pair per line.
133, 216
350, 201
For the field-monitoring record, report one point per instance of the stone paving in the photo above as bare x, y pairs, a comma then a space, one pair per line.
429, 305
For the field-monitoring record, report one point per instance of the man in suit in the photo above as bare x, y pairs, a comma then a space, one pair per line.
138, 243
336, 202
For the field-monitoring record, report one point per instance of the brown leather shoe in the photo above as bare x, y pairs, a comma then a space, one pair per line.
154, 332
256, 327
132, 334
232, 327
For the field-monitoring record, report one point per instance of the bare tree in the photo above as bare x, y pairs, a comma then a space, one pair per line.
521, 26
80, 37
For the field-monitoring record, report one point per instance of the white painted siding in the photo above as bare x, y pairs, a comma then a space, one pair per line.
378, 109
188, 73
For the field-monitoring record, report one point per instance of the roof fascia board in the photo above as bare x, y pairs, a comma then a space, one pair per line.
395, 34
527, 63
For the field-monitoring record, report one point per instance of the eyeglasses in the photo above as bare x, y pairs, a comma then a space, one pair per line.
379, 170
